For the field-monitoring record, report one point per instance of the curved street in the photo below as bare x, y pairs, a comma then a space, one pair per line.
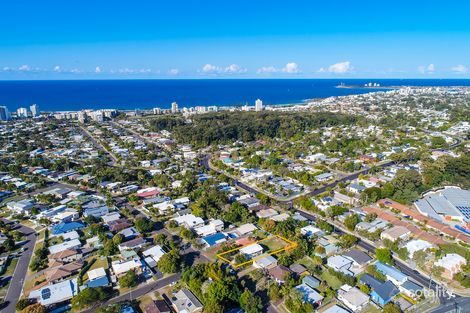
17, 280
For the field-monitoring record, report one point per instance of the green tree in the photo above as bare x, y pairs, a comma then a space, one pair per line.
34, 308
169, 262
9, 244
187, 234
23, 303
250, 303
118, 239
144, 225
89, 296
130, 279
384, 255
420, 257
347, 241
351, 221
391, 308
371, 195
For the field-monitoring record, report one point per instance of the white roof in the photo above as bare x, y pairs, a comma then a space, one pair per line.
206, 230
310, 229
251, 249
451, 260
189, 219
182, 200
355, 297
155, 252
120, 267
64, 246
71, 235
338, 261
96, 273
335, 309
280, 217
55, 293
216, 223
266, 261
417, 245
112, 216
246, 228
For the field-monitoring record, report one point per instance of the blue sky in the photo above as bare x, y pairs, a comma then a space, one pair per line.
79, 39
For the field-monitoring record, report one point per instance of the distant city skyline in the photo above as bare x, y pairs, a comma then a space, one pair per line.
209, 39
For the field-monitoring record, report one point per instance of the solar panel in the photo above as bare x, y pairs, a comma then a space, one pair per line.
46, 293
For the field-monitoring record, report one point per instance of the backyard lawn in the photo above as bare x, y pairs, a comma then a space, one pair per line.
331, 280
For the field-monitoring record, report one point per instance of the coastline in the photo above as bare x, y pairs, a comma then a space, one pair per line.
129, 95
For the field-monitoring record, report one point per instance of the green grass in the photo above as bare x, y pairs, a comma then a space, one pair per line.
370, 308
8, 272
331, 280
10, 268
274, 243
307, 262
100, 262
42, 235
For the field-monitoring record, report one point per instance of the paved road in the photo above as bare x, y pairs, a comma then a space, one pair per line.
205, 163
447, 304
139, 292
98, 145
17, 280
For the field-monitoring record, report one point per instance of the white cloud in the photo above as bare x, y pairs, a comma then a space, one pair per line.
460, 69
234, 69
209, 68
291, 68
339, 68
427, 69
267, 69
97, 69
231, 69
57, 68
322, 70
24, 68
173, 71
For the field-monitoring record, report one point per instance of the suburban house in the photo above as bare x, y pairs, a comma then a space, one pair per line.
417, 245
311, 281
63, 228
22, 206
252, 250
278, 273
189, 221
309, 294
340, 264
311, 231
153, 255
359, 258
55, 293
396, 233
120, 268
266, 262
184, 301
452, 264
384, 293
353, 298
411, 289
97, 278
392, 274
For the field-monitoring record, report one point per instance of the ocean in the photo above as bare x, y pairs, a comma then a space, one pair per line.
73, 95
